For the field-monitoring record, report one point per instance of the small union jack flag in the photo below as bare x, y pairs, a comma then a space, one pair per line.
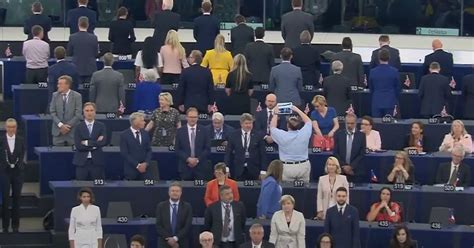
321, 78
214, 108
259, 107
452, 84
444, 112
373, 177
121, 108
350, 110
407, 82
452, 220
306, 109
8, 52
395, 111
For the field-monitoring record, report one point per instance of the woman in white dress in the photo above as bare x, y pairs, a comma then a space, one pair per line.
288, 226
85, 225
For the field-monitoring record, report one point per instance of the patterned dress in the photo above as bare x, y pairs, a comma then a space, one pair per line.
165, 126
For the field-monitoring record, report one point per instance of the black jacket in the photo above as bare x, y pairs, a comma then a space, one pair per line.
164, 21
73, 16
38, 19
17, 157
240, 36
206, 28
94, 146
435, 93
265, 244
444, 173
122, 35
260, 60
337, 91
308, 59
468, 95
213, 221
183, 227
196, 88
444, 59
394, 57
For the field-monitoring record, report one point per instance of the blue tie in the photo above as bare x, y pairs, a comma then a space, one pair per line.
174, 219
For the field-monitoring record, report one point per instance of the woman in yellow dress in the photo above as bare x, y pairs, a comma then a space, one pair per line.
219, 61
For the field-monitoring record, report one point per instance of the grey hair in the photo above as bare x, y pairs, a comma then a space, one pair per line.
337, 67
11, 120
150, 75
206, 233
246, 117
459, 149
136, 115
255, 226
218, 116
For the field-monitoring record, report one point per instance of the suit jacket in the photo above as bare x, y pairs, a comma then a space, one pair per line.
73, 16
164, 21
235, 154
183, 226
206, 28
444, 173
134, 152
260, 60
38, 19
357, 152
394, 57
107, 90
93, 145
122, 35
213, 221
384, 85
324, 200
286, 81
308, 59
226, 131
427, 143
292, 24
444, 59
59, 69
196, 88
84, 48
344, 229
337, 91
261, 122
353, 67
265, 244
468, 95
71, 114
212, 191
283, 235
16, 157
202, 146
240, 36
269, 199
435, 93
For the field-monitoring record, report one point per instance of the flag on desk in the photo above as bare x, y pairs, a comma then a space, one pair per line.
259, 107
350, 110
452, 220
444, 112
121, 108
365, 80
407, 82
321, 78
452, 84
8, 52
306, 109
214, 108
395, 112
373, 177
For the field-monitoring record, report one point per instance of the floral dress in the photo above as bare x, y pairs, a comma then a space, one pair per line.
165, 126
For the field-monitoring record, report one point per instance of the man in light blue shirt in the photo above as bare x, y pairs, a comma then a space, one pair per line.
293, 145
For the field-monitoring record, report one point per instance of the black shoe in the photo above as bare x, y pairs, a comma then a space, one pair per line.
15, 230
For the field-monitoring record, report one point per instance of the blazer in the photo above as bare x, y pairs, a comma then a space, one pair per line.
394, 60
326, 197
213, 221
59, 69
122, 35
260, 60
427, 143
183, 225
353, 67
435, 93
17, 156
134, 152
196, 88
212, 191
71, 114
163, 22
444, 59
344, 229
261, 122
468, 95
373, 140
357, 153
93, 145
37, 19
240, 36
384, 85
269, 199
84, 48
73, 16
206, 28
286, 81
284, 236
107, 90
235, 154
265, 244
226, 131
448, 143
308, 59
292, 24
337, 91
444, 173
202, 147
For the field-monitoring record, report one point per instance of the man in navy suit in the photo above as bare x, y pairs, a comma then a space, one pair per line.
165, 21
206, 28
444, 59
89, 138
245, 151
62, 67
196, 88
384, 85
218, 130
38, 18
193, 147
342, 222
73, 16
434, 92
263, 118
349, 149
135, 149
394, 61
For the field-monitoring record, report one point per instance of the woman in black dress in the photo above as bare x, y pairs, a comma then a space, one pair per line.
239, 87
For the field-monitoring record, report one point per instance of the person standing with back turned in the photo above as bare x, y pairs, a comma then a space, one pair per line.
295, 22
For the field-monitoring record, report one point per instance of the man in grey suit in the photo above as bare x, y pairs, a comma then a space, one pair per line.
286, 80
106, 88
66, 111
295, 22
353, 67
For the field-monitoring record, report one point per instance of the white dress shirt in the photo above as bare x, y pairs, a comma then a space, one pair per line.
189, 132
85, 226
343, 207
60, 124
231, 237
134, 132
256, 246
11, 142
453, 167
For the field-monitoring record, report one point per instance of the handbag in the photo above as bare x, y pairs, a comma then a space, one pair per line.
324, 142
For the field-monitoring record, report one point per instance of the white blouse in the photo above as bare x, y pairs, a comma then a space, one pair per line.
85, 226
139, 62
373, 140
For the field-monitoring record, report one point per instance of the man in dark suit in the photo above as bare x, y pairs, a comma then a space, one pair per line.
62, 67
468, 95
89, 138
444, 59
135, 149
456, 172
12, 164
349, 149
337, 88
245, 152
206, 28
82, 10
192, 148
295, 22
38, 18
163, 22
342, 222
218, 130
240, 35
353, 66
260, 58
84, 48
196, 88
384, 85
384, 42
256, 238
174, 219
219, 216
263, 118
307, 58
434, 92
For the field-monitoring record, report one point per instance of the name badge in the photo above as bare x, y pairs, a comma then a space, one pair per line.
247, 155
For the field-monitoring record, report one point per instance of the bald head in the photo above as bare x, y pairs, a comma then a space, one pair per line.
436, 44
271, 101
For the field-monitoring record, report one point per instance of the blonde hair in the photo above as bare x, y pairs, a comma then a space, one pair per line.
332, 159
167, 96
319, 99
286, 198
172, 39
407, 164
242, 71
464, 132
219, 44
